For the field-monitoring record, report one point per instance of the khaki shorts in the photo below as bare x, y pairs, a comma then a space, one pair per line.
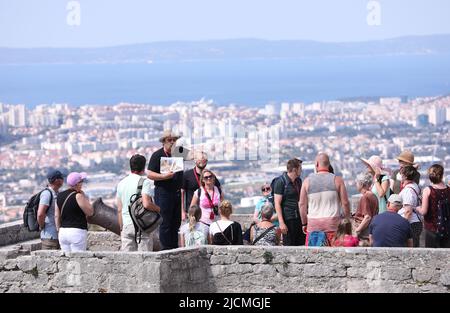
49, 244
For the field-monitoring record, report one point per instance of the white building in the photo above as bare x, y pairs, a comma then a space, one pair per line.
437, 115
17, 116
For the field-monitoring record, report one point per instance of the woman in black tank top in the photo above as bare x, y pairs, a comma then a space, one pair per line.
71, 211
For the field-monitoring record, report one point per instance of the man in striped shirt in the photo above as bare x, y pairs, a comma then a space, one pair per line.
321, 198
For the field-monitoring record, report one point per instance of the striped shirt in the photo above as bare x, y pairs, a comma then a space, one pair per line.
323, 203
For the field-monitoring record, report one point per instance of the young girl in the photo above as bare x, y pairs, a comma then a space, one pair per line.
344, 236
194, 233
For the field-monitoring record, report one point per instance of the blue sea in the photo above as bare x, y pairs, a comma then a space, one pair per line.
246, 82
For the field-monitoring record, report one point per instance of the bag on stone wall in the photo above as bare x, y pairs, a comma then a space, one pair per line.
318, 239
31, 210
143, 220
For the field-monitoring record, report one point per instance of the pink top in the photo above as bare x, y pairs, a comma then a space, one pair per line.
205, 205
347, 241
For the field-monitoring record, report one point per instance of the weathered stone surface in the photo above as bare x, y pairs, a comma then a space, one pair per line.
319, 270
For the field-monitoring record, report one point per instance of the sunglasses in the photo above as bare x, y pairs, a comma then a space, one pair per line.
208, 177
265, 189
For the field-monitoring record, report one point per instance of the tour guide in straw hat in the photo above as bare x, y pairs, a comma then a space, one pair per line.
167, 192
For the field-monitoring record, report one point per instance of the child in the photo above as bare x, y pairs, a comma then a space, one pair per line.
194, 233
344, 236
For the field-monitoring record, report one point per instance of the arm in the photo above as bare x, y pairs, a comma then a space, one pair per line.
364, 224
42, 212
303, 204
381, 188
57, 216
119, 212
425, 201
183, 205
148, 203
278, 199
157, 176
252, 233
255, 216
370, 240
194, 199
181, 240
84, 204
345, 204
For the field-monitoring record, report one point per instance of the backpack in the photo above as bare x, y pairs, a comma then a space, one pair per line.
272, 186
443, 217
31, 210
195, 238
143, 220
318, 239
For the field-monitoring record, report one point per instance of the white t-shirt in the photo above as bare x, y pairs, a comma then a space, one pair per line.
184, 229
410, 198
214, 228
128, 187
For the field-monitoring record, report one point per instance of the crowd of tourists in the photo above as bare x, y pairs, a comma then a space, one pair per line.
393, 210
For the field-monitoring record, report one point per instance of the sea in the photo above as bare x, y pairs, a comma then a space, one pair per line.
241, 82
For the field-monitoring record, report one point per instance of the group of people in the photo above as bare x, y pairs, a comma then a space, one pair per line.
392, 210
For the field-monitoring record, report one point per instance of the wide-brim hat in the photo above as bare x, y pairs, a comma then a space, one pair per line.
374, 162
169, 134
407, 157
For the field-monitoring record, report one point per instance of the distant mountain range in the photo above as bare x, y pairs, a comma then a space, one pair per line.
232, 49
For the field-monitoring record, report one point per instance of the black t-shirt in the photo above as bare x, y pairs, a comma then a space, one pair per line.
154, 165
291, 196
190, 185
72, 216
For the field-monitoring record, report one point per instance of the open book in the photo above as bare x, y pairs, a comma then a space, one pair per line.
171, 165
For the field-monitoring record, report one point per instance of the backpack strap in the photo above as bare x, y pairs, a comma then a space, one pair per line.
418, 200
263, 234
229, 242
137, 231
51, 199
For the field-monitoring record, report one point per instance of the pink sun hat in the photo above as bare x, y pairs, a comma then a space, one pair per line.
375, 162
75, 178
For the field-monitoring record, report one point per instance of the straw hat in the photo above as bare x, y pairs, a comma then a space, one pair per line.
169, 134
407, 157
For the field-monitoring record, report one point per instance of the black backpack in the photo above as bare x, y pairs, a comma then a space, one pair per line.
271, 198
143, 220
443, 217
31, 210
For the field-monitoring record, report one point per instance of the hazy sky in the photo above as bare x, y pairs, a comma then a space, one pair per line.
43, 23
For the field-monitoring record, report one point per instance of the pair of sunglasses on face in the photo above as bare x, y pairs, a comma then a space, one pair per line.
208, 177
265, 189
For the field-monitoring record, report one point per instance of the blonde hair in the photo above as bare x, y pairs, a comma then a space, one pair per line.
225, 208
194, 215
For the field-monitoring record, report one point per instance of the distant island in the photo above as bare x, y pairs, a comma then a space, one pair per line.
233, 49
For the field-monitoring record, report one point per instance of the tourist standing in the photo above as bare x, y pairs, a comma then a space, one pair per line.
322, 196
126, 188
167, 192
267, 197
286, 196
46, 211
435, 198
405, 158
72, 208
381, 181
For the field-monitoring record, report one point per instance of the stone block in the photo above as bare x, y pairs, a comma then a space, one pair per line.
445, 278
223, 259
396, 273
318, 270
27, 263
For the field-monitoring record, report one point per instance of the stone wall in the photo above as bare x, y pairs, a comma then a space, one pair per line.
14, 232
237, 269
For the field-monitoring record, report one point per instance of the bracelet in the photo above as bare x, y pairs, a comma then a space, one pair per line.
304, 225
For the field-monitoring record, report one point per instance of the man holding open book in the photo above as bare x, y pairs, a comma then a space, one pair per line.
167, 189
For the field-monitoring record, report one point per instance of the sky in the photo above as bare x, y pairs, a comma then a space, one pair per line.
50, 23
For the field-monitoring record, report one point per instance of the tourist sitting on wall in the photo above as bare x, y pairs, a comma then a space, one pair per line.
72, 208
265, 233
194, 233
266, 191
381, 181
434, 197
344, 236
367, 208
208, 197
224, 231
410, 195
389, 229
